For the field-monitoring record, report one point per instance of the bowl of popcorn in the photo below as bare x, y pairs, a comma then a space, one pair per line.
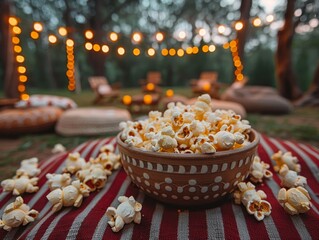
188, 155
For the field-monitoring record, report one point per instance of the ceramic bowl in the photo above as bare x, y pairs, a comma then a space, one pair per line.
188, 179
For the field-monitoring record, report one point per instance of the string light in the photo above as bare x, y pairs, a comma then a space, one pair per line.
202, 32
270, 18
96, 47
13, 21
19, 58
62, 31
52, 38
180, 52
212, 48
236, 60
70, 73
239, 25
164, 52
121, 51
205, 48
137, 37
221, 29
114, 36
151, 52
38, 27
159, 36
89, 34
136, 52
257, 22
34, 35
88, 46
105, 48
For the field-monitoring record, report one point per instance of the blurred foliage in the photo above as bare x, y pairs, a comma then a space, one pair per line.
46, 64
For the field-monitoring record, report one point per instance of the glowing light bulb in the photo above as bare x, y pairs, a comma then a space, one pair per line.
88, 46
69, 43
159, 36
137, 37
52, 39
114, 36
37, 27
136, 51
164, 52
88, 34
62, 31
105, 48
127, 99
221, 29
257, 22
34, 35
202, 32
121, 51
239, 25
151, 52
13, 21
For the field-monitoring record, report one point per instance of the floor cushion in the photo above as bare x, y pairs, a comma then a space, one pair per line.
225, 105
38, 100
29, 120
258, 99
91, 121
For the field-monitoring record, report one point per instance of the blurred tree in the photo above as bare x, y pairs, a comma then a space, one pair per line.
8, 62
286, 79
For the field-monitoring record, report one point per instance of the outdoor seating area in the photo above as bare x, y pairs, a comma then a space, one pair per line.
159, 120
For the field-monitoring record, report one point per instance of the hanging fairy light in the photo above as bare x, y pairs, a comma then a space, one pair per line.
62, 31
114, 36
257, 22
151, 52
37, 26
70, 73
19, 58
239, 25
137, 37
121, 51
52, 38
136, 52
159, 36
89, 34
236, 61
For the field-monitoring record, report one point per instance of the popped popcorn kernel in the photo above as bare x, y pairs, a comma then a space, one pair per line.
188, 129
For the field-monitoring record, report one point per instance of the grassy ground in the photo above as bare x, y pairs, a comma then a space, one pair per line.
302, 125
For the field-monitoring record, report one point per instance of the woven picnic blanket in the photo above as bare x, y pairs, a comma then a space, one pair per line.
159, 221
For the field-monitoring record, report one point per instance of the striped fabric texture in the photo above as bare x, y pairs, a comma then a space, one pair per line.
159, 221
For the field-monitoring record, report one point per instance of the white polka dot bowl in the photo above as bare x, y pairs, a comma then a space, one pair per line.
188, 180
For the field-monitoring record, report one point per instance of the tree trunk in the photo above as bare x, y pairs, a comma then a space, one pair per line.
242, 34
311, 97
7, 54
286, 80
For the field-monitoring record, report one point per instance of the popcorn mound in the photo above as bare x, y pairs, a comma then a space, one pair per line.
188, 129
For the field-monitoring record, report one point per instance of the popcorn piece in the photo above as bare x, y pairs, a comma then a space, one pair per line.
259, 170
185, 123
74, 163
17, 214
128, 211
71, 195
94, 176
252, 200
224, 140
58, 148
294, 200
58, 180
29, 167
20, 185
291, 178
286, 158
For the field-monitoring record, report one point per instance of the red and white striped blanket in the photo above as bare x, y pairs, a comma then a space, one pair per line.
159, 221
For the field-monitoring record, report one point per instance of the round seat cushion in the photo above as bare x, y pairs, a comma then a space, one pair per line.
29, 120
224, 105
258, 99
38, 100
91, 121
